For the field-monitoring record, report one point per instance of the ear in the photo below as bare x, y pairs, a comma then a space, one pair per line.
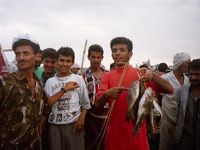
130, 54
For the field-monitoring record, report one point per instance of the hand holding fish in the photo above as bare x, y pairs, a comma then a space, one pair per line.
115, 92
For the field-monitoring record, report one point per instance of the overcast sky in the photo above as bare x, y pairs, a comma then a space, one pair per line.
158, 28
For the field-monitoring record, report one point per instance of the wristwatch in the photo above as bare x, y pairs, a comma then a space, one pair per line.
63, 89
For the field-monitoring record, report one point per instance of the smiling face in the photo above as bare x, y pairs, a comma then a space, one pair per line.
25, 57
64, 65
120, 54
49, 65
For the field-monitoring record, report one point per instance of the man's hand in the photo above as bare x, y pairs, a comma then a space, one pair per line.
115, 92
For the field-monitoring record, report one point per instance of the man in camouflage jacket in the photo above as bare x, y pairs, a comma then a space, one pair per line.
23, 102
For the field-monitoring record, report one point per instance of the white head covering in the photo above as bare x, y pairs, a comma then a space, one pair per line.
179, 59
24, 36
75, 65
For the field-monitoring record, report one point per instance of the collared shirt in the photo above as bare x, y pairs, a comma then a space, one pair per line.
93, 85
20, 111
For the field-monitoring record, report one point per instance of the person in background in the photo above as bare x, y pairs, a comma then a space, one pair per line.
75, 68
68, 97
49, 61
177, 78
163, 68
113, 89
95, 116
38, 69
23, 102
187, 133
6, 66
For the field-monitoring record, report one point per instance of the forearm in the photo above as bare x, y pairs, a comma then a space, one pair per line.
101, 100
53, 99
164, 84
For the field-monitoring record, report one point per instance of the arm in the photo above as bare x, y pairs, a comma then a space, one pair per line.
113, 93
164, 84
68, 86
81, 121
148, 75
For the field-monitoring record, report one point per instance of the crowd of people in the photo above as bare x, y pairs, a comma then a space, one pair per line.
59, 106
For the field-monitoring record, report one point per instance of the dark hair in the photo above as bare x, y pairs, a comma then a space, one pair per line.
112, 65
122, 40
195, 64
49, 52
144, 66
95, 48
23, 42
66, 51
163, 67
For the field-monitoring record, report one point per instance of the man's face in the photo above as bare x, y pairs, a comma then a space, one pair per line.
194, 76
120, 53
64, 65
95, 59
38, 59
49, 65
25, 57
184, 67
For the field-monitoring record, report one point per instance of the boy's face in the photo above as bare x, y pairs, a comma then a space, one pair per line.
49, 64
64, 65
95, 59
26, 58
120, 54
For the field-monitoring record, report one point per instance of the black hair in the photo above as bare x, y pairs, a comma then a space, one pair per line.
144, 66
23, 42
194, 64
66, 51
163, 67
122, 40
49, 52
95, 48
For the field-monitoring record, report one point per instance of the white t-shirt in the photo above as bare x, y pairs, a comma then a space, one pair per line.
68, 108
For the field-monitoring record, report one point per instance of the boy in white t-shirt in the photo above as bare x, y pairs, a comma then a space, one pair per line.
68, 97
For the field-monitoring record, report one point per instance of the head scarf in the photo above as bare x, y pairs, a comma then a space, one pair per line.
179, 59
25, 37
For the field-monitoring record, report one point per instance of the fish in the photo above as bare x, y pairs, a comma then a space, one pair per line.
145, 105
133, 93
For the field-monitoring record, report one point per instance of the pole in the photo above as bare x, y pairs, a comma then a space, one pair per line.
83, 57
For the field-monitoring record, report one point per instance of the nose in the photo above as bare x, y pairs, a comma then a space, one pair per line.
20, 56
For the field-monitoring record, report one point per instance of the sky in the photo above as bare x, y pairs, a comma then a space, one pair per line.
158, 28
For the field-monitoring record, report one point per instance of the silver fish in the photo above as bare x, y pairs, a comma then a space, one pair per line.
133, 93
145, 106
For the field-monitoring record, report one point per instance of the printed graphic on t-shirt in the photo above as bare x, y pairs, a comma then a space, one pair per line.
59, 118
63, 103
52, 116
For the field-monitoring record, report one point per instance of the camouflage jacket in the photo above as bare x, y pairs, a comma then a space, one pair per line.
20, 113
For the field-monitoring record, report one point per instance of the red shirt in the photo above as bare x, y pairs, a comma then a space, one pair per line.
119, 131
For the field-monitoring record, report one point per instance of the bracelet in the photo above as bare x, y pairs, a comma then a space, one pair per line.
63, 90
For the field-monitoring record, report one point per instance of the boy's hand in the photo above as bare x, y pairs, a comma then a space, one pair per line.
71, 86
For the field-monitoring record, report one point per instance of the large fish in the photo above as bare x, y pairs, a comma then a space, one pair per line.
145, 106
133, 93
